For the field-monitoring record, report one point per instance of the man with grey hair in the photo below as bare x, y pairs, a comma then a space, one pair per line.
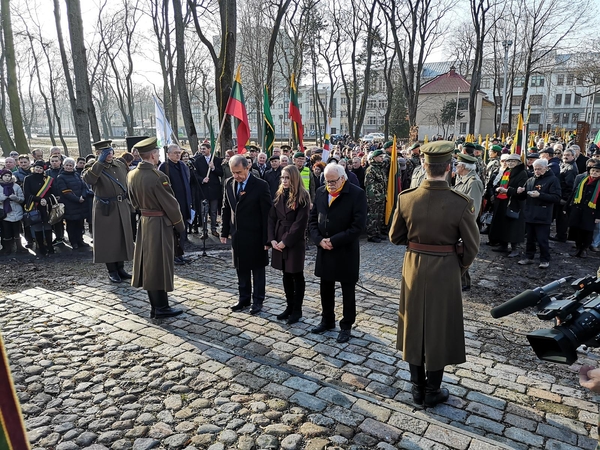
580, 158
10, 164
261, 165
337, 219
468, 183
246, 206
541, 192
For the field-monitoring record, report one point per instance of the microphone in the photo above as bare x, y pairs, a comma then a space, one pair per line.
527, 298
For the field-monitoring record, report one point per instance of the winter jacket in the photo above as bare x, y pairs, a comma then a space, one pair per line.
539, 209
17, 210
71, 187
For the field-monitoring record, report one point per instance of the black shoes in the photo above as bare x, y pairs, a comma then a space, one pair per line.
418, 394
164, 312
322, 327
500, 249
178, 260
466, 288
124, 275
374, 239
557, 239
256, 308
294, 318
114, 277
435, 397
240, 306
344, 336
285, 314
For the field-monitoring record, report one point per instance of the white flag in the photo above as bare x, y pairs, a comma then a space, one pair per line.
164, 132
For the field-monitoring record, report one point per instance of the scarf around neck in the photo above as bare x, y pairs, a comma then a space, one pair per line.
579, 195
503, 184
335, 193
8, 191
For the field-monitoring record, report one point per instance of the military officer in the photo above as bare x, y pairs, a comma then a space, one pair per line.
467, 182
480, 164
111, 213
415, 150
153, 264
430, 220
376, 189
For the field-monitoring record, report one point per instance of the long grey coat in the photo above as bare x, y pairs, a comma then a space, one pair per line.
431, 315
153, 267
113, 235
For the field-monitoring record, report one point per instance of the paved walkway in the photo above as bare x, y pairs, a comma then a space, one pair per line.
93, 372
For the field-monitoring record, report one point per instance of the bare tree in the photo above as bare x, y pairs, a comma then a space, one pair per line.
416, 27
20, 141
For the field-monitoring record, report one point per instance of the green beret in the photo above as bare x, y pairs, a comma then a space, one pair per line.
466, 158
101, 145
147, 145
469, 145
377, 153
438, 151
533, 149
479, 147
496, 148
388, 144
415, 145
299, 155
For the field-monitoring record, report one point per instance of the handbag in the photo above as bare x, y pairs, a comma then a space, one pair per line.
57, 210
32, 217
487, 217
510, 213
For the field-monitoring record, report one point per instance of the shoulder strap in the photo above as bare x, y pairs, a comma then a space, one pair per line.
45, 187
115, 180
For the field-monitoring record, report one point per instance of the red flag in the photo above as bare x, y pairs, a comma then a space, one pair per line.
295, 115
237, 108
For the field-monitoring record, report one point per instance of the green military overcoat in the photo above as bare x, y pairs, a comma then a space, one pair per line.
150, 190
430, 314
112, 233
471, 186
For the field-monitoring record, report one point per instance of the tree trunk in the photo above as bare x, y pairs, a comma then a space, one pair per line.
184, 98
12, 89
82, 117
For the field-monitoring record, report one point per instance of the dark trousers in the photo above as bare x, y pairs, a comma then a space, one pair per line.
246, 278
348, 302
75, 231
213, 208
538, 233
562, 222
59, 230
583, 238
11, 230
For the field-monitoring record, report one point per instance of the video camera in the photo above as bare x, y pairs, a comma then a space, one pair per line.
577, 317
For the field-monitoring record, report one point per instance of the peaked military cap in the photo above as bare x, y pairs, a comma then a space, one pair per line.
466, 158
101, 145
438, 151
147, 145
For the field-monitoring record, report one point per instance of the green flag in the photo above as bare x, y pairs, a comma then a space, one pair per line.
269, 125
212, 135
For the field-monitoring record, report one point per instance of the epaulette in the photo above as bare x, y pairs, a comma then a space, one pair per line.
460, 194
408, 190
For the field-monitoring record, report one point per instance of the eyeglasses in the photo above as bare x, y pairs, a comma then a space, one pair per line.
333, 181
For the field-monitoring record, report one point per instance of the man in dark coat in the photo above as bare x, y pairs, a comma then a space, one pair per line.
179, 176
541, 192
337, 219
245, 214
151, 194
567, 175
430, 220
553, 163
210, 171
580, 158
111, 214
273, 175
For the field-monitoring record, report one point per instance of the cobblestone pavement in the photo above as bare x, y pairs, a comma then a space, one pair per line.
92, 371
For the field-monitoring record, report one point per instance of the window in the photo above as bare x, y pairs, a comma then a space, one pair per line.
569, 80
279, 105
597, 117
567, 99
577, 99
343, 101
372, 120
560, 80
574, 117
334, 108
382, 104
516, 100
565, 118
596, 99
536, 100
463, 104
558, 99
371, 104
343, 113
556, 118
382, 121
519, 82
463, 127
312, 115
486, 83
537, 80
534, 118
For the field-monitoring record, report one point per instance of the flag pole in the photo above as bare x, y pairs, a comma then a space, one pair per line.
218, 143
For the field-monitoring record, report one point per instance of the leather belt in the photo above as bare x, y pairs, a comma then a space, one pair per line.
118, 198
152, 213
431, 248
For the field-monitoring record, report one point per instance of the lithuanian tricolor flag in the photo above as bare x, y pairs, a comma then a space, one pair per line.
294, 114
237, 108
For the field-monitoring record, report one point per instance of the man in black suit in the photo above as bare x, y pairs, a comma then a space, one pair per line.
210, 172
245, 214
337, 219
273, 175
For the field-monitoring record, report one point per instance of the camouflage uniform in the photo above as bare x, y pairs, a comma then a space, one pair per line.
376, 188
418, 176
481, 169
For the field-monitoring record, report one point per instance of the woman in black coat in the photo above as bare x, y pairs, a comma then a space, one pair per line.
505, 229
286, 227
37, 189
584, 214
75, 195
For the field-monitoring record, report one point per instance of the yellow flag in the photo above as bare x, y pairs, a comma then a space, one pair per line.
390, 199
480, 140
425, 140
503, 138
